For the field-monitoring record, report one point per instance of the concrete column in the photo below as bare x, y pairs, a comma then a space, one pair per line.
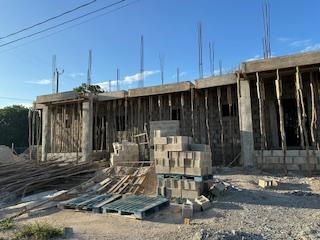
45, 141
87, 128
245, 121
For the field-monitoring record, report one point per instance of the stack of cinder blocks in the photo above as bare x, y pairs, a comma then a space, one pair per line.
124, 152
181, 167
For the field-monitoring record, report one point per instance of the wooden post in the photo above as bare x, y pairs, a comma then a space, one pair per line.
159, 106
170, 106
221, 125
182, 123
207, 117
314, 98
303, 116
150, 109
261, 98
231, 134
278, 86
192, 113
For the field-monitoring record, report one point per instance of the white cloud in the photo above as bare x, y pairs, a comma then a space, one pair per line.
256, 57
44, 81
137, 77
181, 74
312, 47
105, 85
128, 80
76, 75
301, 43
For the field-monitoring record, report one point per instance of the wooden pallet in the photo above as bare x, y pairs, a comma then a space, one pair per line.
138, 206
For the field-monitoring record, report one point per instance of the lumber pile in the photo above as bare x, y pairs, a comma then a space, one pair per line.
117, 180
22, 178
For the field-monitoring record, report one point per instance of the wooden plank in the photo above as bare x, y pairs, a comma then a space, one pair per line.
221, 125
278, 86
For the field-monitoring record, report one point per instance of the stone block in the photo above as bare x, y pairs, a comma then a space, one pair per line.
160, 140
289, 160
292, 153
277, 153
303, 153
299, 160
203, 202
187, 211
293, 167
267, 183
267, 153
190, 193
195, 206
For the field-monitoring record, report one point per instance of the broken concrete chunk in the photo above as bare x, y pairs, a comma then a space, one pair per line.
203, 202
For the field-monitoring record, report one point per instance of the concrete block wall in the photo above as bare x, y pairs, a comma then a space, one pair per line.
296, 160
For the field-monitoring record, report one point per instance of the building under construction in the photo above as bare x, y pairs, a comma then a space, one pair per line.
264, 115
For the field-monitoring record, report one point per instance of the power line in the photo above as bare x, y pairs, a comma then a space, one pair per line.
47, 20
72, 26
63, 23
11, 98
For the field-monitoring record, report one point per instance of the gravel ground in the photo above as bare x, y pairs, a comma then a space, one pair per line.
291, 211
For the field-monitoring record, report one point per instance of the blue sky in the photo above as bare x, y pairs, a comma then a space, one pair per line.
169, 28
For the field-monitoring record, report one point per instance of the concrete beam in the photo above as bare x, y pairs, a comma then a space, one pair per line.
162, 89
217, 81
112, 95
294, 60
57, 97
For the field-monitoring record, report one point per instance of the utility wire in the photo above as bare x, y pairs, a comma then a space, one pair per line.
67, 28
10, 98
47, 20
63, 23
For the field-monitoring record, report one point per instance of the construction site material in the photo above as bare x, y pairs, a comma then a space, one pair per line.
124, 152
267, 183
139, 206
167, 128
179, 188
22, 178
203, 202
187, 211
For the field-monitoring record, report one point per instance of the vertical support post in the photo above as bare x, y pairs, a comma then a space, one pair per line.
297, 85
192, 112
170, 106
45, 133
150, 109
314, 118
159, 106
281, 120
231, 134
303, 116
207, 117
245, 120
261, 98
182, 123
221, 126
87, 130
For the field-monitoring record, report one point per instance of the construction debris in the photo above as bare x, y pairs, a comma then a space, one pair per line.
267, 183
203, 202
7, 155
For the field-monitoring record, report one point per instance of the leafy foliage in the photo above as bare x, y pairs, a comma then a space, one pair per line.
6, 224
14, 126
38, 231
87, 88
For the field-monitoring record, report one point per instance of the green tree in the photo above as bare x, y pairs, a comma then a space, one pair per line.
14, 126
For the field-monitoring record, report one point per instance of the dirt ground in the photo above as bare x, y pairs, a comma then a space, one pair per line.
290, 211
